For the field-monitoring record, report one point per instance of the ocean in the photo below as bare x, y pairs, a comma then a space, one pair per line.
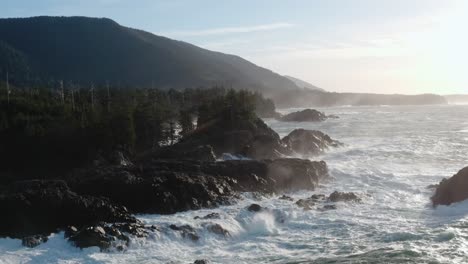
391, 154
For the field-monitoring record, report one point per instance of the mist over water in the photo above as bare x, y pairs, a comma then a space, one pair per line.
391, 155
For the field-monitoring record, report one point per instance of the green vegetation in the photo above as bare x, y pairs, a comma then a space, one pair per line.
43, 130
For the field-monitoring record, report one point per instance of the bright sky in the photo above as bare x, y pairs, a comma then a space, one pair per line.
381, 46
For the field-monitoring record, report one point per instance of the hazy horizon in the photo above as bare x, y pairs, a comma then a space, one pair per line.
362, 46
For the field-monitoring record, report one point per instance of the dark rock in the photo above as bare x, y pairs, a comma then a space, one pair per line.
296, 174
105, 235
317, 197
93, 236
307, 115
285, 197
201, 261
328, 207
343, 197
254, 208
309, 142
306, 204
218, 229
452, 190
201, 153
170, 186
162, 187
41, 207
248, 137
70, 231
33, 241
208, 216
186, 231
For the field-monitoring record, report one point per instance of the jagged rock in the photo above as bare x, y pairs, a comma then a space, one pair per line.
162, 187
309, 142
33, 241
307, 115
452, 190
254, 208
41, 207
105, 235
218, 229
93, 236
343, 197
208, 216
186, 231
170, 186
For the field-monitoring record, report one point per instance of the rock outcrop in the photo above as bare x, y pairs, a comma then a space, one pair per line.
309, 142
452, 190
307, 115
250, 138
42, 207
169, 186
343, 197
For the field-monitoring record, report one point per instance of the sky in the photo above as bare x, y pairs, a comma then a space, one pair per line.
378, 46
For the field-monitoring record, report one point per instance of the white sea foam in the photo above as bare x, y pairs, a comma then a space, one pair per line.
388, 159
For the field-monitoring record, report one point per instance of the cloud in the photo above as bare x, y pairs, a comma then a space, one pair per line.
228, 30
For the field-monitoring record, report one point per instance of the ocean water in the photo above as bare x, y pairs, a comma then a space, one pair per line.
391, 155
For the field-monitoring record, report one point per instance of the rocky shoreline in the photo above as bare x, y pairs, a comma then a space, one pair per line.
95, 205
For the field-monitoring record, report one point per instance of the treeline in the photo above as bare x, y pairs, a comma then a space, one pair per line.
46, 130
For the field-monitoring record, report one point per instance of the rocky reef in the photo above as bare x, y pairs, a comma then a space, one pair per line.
307, 115
452, 190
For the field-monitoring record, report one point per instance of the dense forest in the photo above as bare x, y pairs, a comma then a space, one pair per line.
43, 50
44, 129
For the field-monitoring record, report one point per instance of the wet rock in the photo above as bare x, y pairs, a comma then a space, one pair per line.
296, 174
318, 197
93, 236
218, 229
186, 231
41, 207
159, 186
254, 208
328, 207
306, 204
201, 261
343, 197
70, 231
309, 142
286, 198
452, 190
307, 115
170, 186
209, 216
33, 241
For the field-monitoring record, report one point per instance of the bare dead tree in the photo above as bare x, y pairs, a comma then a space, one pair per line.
8, 88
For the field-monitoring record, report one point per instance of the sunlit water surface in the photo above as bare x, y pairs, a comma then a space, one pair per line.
391, 155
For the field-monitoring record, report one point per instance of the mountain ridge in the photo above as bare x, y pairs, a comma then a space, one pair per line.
303, 84
84, 50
